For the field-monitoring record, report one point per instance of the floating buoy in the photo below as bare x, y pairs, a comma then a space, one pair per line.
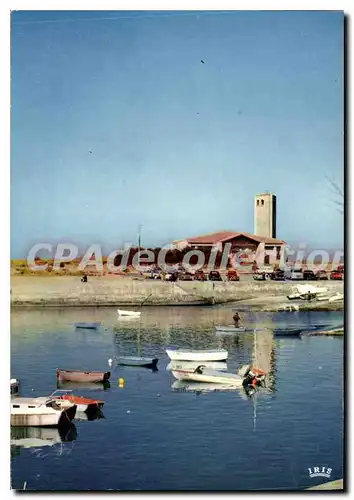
110, 361
121, 382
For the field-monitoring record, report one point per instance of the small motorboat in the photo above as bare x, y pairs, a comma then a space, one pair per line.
136, 361
83, 404
247, 375
180, 354
41, 412
82, 376
132, 314
88, 326
220, 366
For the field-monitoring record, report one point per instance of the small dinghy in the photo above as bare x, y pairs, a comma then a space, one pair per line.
247, 376
179, 354
136, 361
287, 332
230, 328
89, 326
220, 366
81, 376
132, 314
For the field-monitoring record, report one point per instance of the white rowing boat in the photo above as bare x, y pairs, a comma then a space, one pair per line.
192, 365
230, 328
205, 374
132, 314
246, 375
180, 354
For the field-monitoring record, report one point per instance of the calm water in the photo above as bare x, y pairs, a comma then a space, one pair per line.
154, 437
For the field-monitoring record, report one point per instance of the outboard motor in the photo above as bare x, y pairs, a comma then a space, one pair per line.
14, 387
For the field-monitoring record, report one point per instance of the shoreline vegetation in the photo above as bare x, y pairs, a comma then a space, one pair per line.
111, 291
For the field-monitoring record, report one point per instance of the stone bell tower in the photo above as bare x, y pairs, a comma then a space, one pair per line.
265, 215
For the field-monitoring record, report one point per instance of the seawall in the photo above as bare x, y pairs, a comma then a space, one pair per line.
124, 291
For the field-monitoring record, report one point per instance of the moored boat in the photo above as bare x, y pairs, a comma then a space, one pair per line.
246, 375
192, 365
136, 361
41, 412
230, 328
82, 376
132, 314
180, 354
14, 386
83, 404
89, 326
287, 332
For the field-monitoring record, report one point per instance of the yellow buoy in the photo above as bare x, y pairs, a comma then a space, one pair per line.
121, 382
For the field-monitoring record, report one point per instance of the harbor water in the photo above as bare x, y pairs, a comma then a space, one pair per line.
153, 434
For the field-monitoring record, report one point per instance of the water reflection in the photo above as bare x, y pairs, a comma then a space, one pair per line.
40, 437
83, 386
89, 416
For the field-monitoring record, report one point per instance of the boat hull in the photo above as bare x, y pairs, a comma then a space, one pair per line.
42, 417
80, 376
131, 314
197, 355
192, 365
136, 361
89, 326
229, 329
210, 376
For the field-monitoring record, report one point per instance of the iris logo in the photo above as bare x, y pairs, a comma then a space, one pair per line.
320, 472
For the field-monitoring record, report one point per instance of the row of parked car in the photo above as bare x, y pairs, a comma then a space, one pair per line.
183, 275
299, 274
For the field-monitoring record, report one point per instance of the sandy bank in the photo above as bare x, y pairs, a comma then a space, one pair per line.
113, 291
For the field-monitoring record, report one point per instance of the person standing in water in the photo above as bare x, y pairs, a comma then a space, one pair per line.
236, 318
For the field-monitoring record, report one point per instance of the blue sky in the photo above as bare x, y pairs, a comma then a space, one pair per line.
178, 146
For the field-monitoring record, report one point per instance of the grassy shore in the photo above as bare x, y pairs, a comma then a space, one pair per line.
114, 291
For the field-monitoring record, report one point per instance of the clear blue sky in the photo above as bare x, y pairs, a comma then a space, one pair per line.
178, 146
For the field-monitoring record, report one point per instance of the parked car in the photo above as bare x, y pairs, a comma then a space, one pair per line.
322, 275
171, 276
309, 275
259, 276
232, 275
214, 276
277, 275
336, 275
200, 275
294, 274
185, 276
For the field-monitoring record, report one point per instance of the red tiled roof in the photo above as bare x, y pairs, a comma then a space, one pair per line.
222, 236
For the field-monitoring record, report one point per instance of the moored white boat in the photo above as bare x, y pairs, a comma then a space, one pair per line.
181, 354
41, 412
132, 314
246, 375
230, 328
192, 365
136, 361
204, 374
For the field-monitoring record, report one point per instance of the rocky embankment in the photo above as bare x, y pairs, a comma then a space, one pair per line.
125, 291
